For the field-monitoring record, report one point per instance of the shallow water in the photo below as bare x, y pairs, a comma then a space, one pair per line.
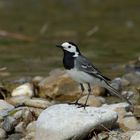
107, 32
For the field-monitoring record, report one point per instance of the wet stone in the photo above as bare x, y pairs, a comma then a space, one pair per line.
9, 124
16, 136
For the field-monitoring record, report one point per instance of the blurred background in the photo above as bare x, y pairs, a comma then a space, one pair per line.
107, 31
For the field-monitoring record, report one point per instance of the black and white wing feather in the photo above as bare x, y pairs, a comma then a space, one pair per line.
83, 64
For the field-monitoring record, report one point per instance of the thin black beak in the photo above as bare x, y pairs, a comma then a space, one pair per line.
59, 46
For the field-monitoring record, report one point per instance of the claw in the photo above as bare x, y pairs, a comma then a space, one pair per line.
82, 105
78, 104
74, 103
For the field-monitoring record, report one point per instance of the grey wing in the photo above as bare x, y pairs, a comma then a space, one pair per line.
82, 63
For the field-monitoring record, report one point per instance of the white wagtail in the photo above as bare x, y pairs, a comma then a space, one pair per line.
83, 71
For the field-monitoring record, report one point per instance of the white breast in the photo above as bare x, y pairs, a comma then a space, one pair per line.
82, 77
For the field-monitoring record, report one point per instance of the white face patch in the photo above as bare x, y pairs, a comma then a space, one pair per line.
70, 48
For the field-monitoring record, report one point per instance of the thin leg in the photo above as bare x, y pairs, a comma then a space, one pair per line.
82, 88
89, 91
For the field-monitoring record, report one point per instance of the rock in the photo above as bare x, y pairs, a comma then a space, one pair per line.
116, 135
2, 134
92, 101
128, 94
124, 82
17, 100
37, 79
128, 134
133, 94
24, 114
133, 78
34, 102
18, 113
59, 87
111, 135
118, 83
31, 127
35, 111
15, 136
9, 123
115, 107
136, 136
128, 121
64, 121
29, 136
136, 95
98, 91
27, 116
137, 111
20, 127
25, 89
5, 108
102, 136
37, 102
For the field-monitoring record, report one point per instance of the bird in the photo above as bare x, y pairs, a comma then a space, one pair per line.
81, 70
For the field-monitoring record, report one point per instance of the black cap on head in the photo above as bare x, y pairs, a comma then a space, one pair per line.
74, 45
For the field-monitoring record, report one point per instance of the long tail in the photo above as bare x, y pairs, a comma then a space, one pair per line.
114, 91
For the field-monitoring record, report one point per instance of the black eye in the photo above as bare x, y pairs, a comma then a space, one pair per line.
69, 46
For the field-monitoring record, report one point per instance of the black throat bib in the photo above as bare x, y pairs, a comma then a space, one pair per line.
68, 60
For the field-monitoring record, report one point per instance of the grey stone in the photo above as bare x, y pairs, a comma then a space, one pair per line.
133, 78
20, 127
5, 108
31, 127
9, 124
16, 136
136, 136
2, 134
65, 122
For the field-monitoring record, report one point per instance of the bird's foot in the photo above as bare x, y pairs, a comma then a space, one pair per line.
79, 104
82, 105
74, 103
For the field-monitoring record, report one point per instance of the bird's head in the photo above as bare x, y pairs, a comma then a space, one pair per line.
70, 47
